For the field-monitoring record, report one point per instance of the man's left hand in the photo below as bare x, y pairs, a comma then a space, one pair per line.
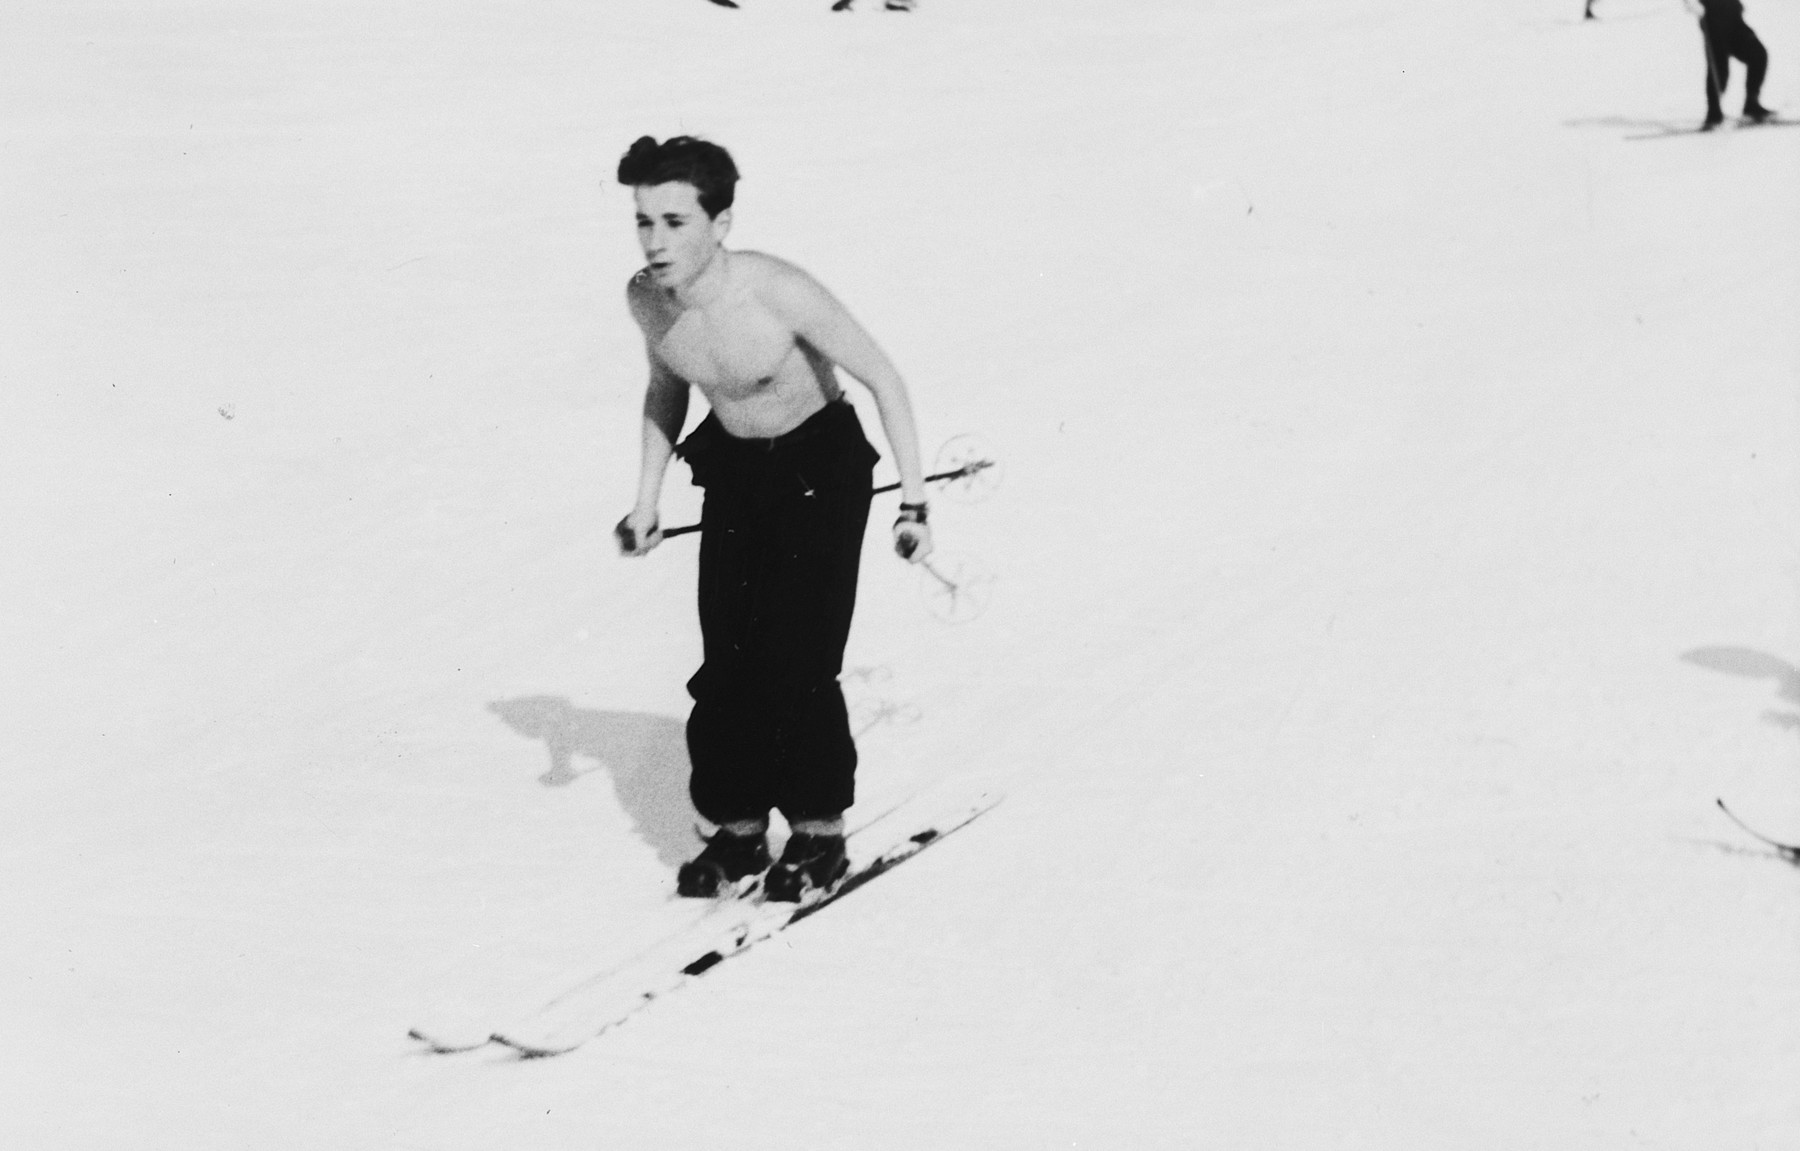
912, 541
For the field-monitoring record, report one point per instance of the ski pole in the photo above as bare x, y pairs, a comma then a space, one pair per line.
963, 472
1712, 64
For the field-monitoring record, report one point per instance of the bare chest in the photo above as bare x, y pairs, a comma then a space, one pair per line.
731, 353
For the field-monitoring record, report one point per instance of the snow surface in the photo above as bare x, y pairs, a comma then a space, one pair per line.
1397, 556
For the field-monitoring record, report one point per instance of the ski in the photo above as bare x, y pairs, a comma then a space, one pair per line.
603, 1003
722, 925
457, 1036
1787, 851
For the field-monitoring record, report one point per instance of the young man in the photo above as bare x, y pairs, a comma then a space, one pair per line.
1726, 35
787, 476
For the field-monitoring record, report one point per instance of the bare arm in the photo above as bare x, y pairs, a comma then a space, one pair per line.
818, 318
665, 410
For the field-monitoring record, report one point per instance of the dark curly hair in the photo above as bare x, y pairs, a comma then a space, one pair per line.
683, 160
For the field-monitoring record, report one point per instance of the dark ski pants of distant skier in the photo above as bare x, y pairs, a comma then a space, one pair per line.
780, 544
1725, 40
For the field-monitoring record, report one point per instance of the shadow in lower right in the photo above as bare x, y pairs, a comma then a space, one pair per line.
1753, 664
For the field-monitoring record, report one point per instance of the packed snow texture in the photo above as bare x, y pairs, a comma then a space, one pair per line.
1396, 557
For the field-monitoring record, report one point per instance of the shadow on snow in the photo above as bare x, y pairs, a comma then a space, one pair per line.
1755, 665
646, 755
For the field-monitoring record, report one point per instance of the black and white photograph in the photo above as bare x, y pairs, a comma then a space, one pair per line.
900, 575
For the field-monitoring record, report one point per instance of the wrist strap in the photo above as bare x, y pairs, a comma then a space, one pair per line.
913, 513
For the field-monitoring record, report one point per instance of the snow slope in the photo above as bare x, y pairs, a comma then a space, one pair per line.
1396, 557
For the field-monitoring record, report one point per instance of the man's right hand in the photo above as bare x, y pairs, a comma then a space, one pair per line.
637, 533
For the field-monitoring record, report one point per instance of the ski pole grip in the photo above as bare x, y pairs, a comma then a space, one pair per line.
628, 539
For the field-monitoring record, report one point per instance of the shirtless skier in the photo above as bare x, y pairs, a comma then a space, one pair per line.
786, 472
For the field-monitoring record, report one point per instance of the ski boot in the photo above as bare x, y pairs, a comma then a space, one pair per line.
1713, 120
1756, 113
723, 865
808, 864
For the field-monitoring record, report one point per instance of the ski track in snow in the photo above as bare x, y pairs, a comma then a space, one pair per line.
1395, 560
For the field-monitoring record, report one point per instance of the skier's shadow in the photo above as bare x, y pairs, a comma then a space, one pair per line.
1636, 123
1756, 665
646, 755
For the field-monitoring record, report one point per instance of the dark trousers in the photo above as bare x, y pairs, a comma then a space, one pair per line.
780, 544
1724, 40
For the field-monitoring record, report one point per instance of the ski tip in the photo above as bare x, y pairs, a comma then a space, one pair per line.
530, 1050
443, 1047
1787, 851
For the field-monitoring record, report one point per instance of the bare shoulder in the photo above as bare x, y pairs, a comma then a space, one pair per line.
782, 284
648, 306
762, 266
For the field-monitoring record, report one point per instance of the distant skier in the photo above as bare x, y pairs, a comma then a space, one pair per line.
1726, 36
787, 476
